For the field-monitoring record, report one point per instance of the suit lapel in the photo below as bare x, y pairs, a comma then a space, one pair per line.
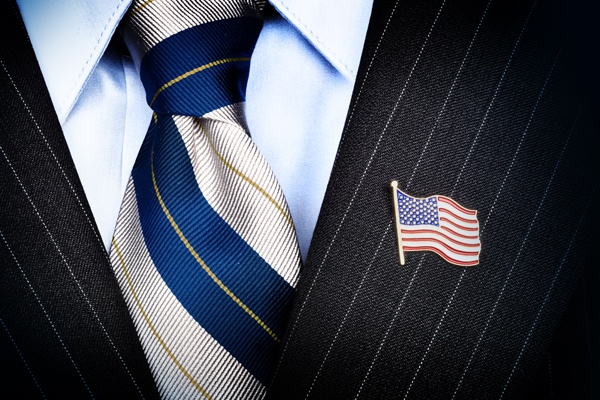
468, 100
65, 327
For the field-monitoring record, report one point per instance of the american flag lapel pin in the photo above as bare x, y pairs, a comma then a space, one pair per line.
438, 224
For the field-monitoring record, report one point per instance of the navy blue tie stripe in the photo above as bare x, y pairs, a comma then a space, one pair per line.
241, 270
186, 51
204, 250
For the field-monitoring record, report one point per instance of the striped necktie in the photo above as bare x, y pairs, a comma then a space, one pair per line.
204, 250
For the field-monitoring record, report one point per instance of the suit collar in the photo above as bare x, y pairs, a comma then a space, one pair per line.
62, 300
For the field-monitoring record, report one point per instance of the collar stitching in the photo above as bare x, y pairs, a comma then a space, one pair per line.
75, 84
329, 50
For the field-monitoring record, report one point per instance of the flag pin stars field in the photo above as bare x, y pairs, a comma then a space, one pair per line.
438, 224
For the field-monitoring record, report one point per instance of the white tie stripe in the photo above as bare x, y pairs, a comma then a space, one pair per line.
177, 16
213, 146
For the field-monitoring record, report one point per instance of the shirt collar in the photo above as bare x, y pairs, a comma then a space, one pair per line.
336, 28
69, 38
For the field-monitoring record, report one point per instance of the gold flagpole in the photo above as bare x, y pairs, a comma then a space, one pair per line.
394, 185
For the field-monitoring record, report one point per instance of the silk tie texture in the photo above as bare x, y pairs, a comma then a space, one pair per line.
204, 250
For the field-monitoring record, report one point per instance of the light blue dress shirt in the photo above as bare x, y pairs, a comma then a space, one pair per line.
301, 79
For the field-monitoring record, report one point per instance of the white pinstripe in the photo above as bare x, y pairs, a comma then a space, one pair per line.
464, 271
494, 97
79, 202
437, 329
348, 310
62, 171
62, 343
362, 85
423, 257
408, 184
77, 283
532, 223
374, 152
12, 340
293, 329
389, 328
437, 119
547, 296
410, 180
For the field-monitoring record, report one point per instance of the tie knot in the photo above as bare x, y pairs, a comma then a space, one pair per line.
193, 55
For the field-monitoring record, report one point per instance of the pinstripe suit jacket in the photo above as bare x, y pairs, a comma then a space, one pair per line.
476, 100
